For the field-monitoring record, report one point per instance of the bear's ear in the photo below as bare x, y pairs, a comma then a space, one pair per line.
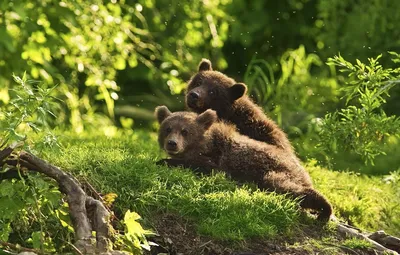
162, 112
237, 91
207, 118
205, 65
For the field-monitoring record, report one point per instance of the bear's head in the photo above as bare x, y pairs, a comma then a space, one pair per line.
181, 131
209, 89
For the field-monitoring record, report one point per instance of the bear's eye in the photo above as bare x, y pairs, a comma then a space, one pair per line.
212, 93
168, 130
185, 132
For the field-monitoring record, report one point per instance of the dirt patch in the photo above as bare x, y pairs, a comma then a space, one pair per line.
178, 236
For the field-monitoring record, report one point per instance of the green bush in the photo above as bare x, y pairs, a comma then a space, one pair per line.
362, 127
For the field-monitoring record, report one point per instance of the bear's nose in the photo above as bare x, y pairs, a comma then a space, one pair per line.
171, 143
194, 95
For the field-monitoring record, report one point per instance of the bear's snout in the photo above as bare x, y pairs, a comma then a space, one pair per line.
171, 146
193, 99
194, 95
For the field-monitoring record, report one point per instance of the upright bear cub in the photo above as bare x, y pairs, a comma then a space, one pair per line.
210, 89
198, 141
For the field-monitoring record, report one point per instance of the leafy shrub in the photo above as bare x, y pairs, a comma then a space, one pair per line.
31, 207
362, 127
30, 109
298, 101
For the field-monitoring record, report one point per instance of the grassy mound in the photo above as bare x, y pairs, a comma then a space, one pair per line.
216, 206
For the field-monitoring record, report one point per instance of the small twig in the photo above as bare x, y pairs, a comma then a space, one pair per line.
16, 162
204, 244
19, 248
75, 249
355, 232
3, 142
389, 85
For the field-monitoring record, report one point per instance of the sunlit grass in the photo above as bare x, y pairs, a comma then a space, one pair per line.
355, 243
364, 201
216, 206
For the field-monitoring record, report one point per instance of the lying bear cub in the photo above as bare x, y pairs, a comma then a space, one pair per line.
209, 89
200, 142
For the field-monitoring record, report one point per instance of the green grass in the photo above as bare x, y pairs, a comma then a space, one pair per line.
216, 206
368, 202
355, 243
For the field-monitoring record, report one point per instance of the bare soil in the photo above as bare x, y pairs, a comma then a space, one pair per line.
178, 236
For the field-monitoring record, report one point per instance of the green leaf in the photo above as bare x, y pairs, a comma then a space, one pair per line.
36, 240
9, 207
7, 189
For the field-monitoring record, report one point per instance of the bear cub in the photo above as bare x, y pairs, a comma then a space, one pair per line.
199, 141
209, 89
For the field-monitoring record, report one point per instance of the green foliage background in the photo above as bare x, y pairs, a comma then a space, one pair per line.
114, 61
327, 71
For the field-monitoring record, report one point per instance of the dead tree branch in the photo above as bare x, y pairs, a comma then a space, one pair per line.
19, 248
87, 214
353, 232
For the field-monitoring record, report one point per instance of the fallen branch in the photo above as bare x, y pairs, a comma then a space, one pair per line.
19, 248
76, 198
385, 239
87, 214
99, 217
354, 232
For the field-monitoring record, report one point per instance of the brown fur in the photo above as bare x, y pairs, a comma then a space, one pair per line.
208, 144
216, 91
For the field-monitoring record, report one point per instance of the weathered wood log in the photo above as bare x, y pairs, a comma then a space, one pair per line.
385, 239
87, 214
355, 232
99, 217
